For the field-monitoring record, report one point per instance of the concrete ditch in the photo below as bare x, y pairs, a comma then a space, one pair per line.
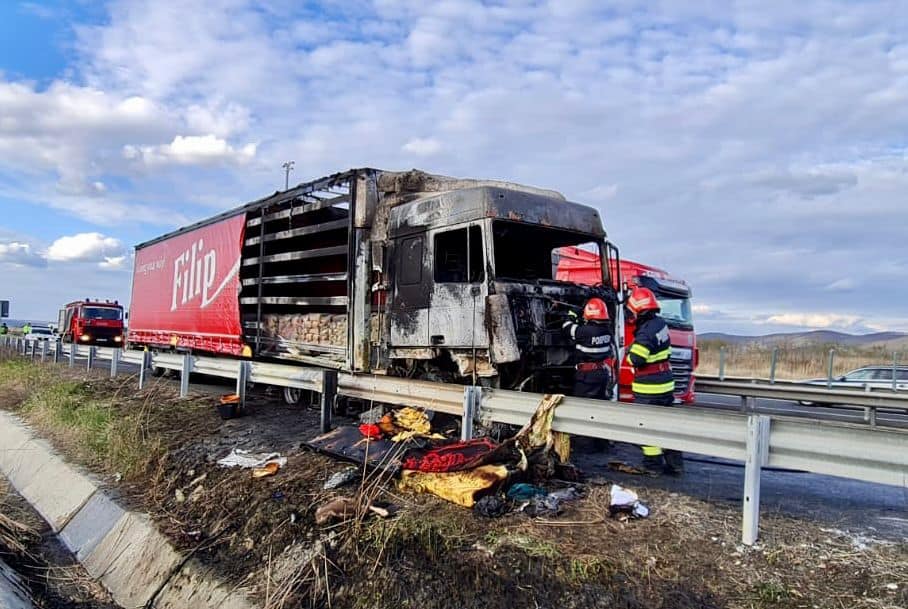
121, 549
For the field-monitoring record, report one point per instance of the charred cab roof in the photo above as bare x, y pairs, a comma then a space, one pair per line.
469, 204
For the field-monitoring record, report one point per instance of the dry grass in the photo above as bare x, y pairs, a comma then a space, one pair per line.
793, 363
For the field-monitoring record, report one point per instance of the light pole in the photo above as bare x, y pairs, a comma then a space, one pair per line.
288, 167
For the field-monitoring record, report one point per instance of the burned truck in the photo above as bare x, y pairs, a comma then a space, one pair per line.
399, 273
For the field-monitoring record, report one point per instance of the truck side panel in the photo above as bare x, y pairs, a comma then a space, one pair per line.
186, 290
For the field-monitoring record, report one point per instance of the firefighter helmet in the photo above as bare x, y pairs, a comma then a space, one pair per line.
595, 310
642, 299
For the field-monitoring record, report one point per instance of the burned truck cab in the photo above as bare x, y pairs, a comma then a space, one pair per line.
472, 294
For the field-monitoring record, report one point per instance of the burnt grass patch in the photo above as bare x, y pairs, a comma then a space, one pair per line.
261, 535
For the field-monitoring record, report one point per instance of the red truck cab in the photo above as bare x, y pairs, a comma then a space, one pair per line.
92, 322
580, 266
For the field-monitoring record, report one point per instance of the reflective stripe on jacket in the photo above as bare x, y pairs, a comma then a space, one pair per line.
652, 345
592, 340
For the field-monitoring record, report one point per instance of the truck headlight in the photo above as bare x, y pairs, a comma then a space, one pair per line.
682, 353
85, 337
118, 339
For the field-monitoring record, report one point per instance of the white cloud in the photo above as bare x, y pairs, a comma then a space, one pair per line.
419, 146
87, 247
846, 284
20, 254
113, 263
191, 150
814, 320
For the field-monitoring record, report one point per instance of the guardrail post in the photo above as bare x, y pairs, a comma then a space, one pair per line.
43, 350
91, 358
72, 355
58, 351
895, 365
329, 395
114, 363
829, 370
721, 363
34, 348
184, 375
758, 429
242, 376
471, 396
143, 368
772, 365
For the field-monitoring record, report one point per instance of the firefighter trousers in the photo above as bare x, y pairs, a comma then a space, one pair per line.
673, 458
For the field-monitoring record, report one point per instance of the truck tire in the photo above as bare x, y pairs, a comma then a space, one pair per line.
292, 396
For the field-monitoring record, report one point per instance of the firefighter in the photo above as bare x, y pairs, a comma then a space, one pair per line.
654, 382
27, 328
595, 350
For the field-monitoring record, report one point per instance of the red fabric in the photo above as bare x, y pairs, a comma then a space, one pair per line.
590, 366
370, 431
453, 457
654, 368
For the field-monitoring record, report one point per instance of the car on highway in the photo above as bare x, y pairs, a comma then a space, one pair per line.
872, 377
40, 333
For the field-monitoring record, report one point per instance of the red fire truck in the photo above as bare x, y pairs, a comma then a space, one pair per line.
92, 322
581, 266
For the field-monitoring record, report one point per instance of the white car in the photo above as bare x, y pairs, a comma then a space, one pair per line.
40, 333
874, 377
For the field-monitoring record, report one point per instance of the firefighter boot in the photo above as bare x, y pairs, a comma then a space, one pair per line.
654, 464
674, 462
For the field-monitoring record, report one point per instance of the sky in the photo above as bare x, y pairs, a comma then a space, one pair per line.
756, 149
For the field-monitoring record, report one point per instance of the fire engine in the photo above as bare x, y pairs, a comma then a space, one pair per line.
92, 322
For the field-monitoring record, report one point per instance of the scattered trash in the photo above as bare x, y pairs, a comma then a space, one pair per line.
627, 468
336, 509
566, 494
456, 456
387, 426
492, 506
373, 415
625, 504
523, 491
458, 487
197, 480
269, 469
341, 478
412, 419
179, 495
892, 587
229, 406
343, 508
196, 494
245, 459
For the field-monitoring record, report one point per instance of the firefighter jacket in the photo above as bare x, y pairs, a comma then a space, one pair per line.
592, 340
650, 357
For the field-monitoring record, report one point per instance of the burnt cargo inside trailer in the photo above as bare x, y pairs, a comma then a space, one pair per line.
403, 273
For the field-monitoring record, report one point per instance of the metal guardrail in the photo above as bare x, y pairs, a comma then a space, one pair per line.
861, 452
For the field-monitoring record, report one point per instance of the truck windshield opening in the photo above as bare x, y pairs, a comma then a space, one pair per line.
530, 252
102, 313
676, 311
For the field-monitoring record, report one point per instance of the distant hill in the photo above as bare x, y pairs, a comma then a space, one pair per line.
815, 337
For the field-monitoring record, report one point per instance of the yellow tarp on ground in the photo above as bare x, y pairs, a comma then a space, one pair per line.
458, 487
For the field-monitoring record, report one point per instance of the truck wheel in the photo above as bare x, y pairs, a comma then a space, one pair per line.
157, 371
292, 396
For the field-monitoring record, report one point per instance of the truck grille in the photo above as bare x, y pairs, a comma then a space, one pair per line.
682, 371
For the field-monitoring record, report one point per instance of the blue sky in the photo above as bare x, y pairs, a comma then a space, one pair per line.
754, 148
